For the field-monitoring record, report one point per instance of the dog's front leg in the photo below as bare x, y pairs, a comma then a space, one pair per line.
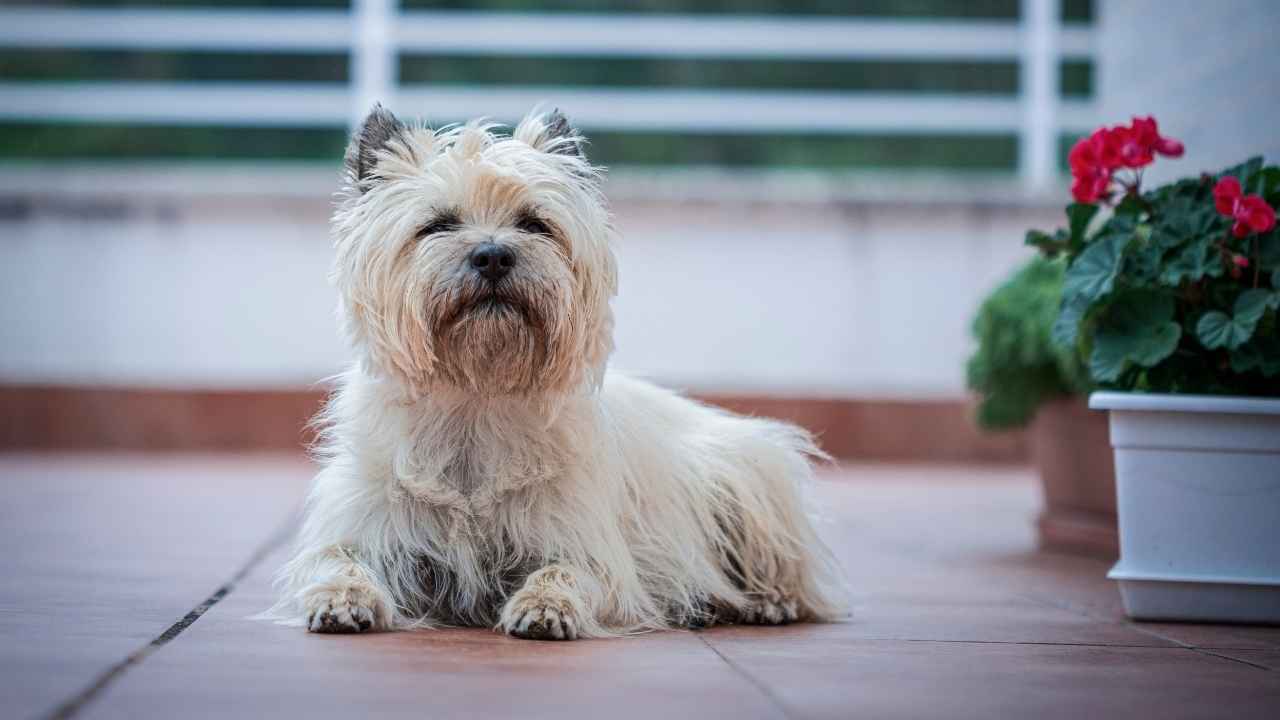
551, 605
344, 595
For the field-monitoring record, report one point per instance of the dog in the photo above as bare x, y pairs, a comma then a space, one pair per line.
479, 465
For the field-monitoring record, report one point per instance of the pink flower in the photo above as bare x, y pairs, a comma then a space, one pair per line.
1251, 213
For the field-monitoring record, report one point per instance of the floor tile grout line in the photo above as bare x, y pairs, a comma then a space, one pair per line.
71, 707
1178, 644
765, 689
1126, 646
1232, 658
1211, 652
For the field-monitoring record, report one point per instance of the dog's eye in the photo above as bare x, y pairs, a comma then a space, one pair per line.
443, 223
532, 225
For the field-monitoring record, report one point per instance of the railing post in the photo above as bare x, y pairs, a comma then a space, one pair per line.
1037, 144
373, 56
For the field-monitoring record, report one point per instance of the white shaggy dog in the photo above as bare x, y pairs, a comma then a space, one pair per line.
480, 467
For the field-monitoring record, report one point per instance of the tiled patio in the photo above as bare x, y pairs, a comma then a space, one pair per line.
110, 559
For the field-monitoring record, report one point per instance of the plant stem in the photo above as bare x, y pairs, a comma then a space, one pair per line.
1257, 260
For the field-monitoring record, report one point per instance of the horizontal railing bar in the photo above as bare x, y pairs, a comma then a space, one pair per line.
297, 104
477, 33
703, 37
243, 104
194, 29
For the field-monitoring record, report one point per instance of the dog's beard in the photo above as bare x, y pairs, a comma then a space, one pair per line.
494, 340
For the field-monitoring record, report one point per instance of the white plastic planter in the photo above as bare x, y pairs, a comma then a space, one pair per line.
1198, 497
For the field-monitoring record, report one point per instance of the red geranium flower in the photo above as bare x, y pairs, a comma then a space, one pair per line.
1090, 185
1251, 213
1091, 160
1225, 195
1111, 145
1094, 159
1142, 141
1099, 150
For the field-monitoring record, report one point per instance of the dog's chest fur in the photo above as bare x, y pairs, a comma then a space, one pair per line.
470, 458
482, 490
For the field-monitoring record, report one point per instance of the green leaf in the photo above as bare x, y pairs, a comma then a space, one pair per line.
1268, 184
1217, 329
1164, 239
1138, 329
1093, 274
1130, 205
1078, 217
1261, 354
1275, 279
1186, 218
1269, 250
1045, 242
1066, 327
1141, 266
1245, 171
1251, 304
1194, 262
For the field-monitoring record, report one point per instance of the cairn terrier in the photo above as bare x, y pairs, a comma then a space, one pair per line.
479, 464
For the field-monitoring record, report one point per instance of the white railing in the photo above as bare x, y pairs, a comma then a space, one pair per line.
375, 32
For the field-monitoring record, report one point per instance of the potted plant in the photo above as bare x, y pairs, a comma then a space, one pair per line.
1170, 297
1022, 379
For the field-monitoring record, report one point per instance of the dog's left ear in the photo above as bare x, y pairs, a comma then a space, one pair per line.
551, 132
379, 128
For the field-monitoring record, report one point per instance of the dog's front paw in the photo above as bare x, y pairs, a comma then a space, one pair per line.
345, 608
540, 615
772, 607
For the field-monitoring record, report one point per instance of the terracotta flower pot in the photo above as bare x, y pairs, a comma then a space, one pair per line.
1072, 452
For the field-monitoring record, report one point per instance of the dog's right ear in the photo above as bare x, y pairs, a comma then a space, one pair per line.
378, 129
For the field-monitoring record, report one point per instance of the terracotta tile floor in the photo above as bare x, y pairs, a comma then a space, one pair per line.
955, 615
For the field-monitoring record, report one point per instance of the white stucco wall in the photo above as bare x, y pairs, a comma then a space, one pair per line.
823, 298
1208, 71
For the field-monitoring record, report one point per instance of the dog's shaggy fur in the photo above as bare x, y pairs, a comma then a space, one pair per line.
480, 467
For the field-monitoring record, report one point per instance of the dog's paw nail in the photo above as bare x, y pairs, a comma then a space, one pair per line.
774, 608
536, 619
338, 612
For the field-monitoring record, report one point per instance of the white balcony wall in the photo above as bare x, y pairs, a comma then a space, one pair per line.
112, 283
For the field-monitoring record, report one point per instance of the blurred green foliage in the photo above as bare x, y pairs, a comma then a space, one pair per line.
104, 141
997, 77
1016, 366
31, 141
1072, 10
49, 65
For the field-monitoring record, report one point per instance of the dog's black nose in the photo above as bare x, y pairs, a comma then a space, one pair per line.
493, 261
